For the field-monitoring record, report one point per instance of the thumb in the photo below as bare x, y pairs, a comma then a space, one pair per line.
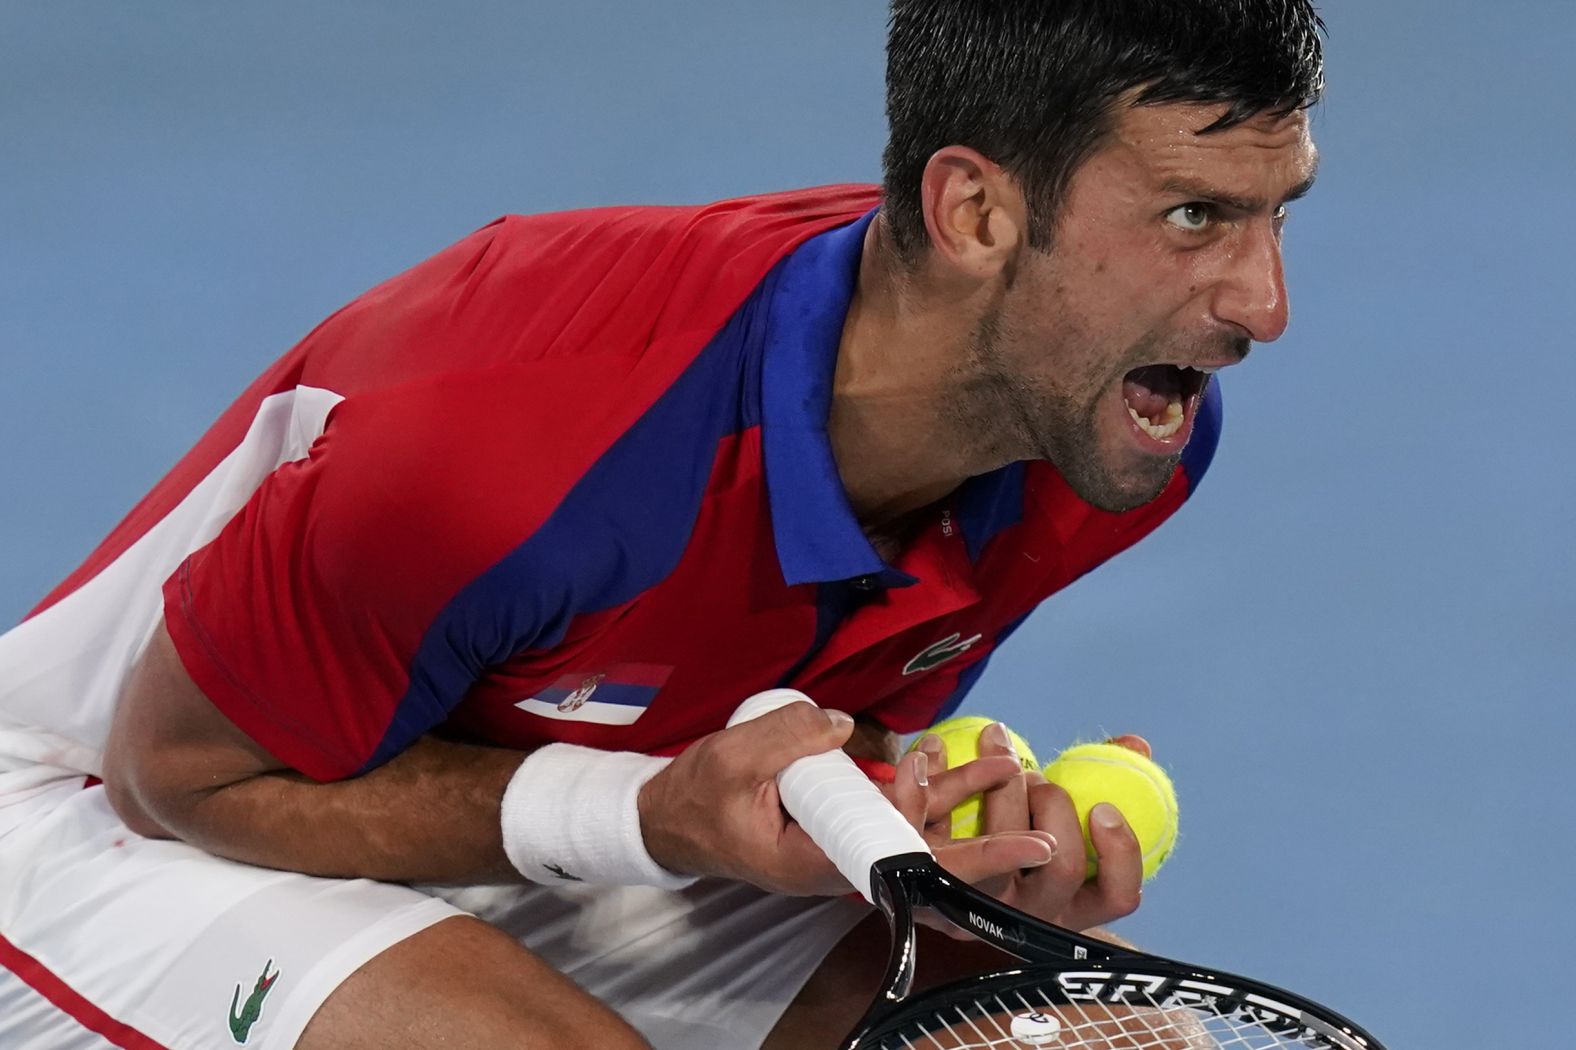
776, 738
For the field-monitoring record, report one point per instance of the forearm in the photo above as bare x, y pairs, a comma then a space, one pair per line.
176, 767
431, 814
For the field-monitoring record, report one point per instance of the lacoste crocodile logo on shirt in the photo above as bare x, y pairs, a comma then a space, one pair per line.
940, 652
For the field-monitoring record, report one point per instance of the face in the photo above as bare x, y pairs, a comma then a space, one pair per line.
1165, 266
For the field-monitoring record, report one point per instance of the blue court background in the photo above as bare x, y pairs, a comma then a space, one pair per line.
1355, 648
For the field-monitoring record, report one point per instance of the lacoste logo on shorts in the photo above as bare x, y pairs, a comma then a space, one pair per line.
242, 1020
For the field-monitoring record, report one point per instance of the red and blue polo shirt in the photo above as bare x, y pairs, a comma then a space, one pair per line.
569, 480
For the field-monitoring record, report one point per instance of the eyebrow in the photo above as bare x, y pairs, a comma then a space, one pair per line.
1199, 192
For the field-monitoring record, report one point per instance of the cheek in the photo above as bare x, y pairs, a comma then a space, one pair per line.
1116, 287
1072, 318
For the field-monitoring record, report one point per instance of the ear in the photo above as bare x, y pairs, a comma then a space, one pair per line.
974, 212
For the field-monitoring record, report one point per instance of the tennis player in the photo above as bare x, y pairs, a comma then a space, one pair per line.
391, 717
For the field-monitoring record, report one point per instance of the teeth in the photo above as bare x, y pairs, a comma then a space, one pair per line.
1167, 427
1205, 371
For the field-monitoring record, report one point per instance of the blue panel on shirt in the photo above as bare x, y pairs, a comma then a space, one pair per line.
620, 530
1200, 448
817, 534
989, 503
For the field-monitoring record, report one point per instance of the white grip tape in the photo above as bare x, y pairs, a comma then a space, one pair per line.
836, 804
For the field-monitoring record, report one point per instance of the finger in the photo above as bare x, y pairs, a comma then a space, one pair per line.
1117, 851
760, 748
1051, 809
951, 786
1134, 742
988, 857
1118, 885
938, 811
995, 740
909, 791
1006, 806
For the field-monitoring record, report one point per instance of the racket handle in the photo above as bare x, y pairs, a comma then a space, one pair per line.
836, 804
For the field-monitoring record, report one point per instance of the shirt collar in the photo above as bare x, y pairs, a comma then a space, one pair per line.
988, 503
818, 537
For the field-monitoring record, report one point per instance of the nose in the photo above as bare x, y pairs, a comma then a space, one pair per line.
1252, 293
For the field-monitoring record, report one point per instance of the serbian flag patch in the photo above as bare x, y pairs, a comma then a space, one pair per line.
613, 696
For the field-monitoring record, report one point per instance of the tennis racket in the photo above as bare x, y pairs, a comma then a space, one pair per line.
1073, 993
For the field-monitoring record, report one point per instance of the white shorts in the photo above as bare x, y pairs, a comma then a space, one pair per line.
108, 939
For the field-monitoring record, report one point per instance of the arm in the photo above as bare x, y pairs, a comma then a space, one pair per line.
175, 767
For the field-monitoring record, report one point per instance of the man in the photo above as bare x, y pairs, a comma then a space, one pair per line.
462, 590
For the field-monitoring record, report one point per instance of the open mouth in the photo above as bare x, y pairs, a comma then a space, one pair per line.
1159, 397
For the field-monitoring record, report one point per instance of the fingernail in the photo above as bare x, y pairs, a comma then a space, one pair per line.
1048, 842
840, 719
995, 734
930, 744
922, 768
1106, 815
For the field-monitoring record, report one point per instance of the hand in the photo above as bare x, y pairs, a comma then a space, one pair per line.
715, 809
1056, 890
928, 803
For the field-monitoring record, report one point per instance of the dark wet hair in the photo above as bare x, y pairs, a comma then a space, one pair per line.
1032, 84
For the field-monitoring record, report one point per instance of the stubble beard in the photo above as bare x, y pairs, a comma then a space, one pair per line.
1004, 417
1077, 457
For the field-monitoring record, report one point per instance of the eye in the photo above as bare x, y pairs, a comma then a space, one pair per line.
1193, 217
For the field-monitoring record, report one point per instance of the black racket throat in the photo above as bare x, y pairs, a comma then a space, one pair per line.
1077, 968
903, 883
914, 880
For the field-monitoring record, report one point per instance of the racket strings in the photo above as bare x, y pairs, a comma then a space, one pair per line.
1035, 1019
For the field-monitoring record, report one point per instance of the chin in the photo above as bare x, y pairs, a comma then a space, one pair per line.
1119, 490
1103, 457
1120, 503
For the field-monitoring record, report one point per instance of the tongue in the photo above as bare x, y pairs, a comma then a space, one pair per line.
1149, 390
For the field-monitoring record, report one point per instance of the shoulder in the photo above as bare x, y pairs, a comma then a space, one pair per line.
597, 282
695, 259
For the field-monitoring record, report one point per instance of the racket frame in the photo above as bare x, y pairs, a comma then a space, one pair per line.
902, 884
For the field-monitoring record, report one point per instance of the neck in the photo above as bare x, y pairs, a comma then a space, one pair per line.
894, 425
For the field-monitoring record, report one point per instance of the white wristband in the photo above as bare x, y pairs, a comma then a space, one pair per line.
570, 815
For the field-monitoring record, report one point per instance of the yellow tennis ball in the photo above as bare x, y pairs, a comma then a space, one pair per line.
1136, 785
961, 737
